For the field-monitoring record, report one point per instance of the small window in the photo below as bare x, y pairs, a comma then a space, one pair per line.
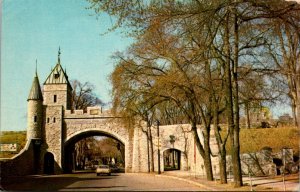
53, 119
48, 120
35, 119
55, 98
56, 75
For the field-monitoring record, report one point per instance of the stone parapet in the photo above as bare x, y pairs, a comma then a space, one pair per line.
91, 112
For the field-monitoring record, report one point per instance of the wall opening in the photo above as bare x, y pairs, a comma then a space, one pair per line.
55, 98
172, 159
88, 150
49, 163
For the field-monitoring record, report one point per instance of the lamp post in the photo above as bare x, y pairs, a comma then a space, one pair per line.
284, 164
158, 150
248, 161
172, 141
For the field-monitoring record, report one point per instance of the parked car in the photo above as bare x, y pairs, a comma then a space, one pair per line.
116, 169
103, 169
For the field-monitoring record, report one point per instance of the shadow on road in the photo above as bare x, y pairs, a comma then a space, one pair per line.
48, 182
74, 188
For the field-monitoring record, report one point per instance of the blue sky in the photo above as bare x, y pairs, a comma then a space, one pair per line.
34, 29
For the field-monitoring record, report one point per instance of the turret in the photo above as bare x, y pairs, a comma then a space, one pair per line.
57, 88
35, 110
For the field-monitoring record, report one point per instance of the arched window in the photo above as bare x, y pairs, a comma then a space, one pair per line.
35, 118
53, 119
48, 120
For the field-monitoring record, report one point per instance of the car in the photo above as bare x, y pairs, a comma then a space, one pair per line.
116, 169
103, 169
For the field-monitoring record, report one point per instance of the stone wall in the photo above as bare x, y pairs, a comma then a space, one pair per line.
52, 138
21, 164
265, 162
191, 159
62, 93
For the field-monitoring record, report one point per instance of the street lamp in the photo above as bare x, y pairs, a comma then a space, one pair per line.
284, 151
158, 150
248, 161
172, 141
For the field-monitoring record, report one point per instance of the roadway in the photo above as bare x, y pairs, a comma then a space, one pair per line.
91, 182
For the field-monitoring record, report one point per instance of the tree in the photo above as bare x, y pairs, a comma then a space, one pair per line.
183, 48
110, 148
83, 95
153, 85
284, 50
82, 152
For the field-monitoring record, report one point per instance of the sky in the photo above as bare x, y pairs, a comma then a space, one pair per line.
34, 30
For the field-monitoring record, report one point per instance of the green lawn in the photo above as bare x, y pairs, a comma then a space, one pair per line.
252, 140
18, 137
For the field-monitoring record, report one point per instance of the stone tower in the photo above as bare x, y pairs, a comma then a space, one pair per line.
57, 89
57, 92
35, 110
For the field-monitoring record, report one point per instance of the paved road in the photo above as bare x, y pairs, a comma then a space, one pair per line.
91, 182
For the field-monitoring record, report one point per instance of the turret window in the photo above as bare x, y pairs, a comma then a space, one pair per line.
48, 120
55, 98
56, 75
53, 119
35, 119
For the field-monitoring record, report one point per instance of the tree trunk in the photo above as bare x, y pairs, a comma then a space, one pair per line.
229, 101
294, 111
298, 92
204, 152
248, 115
207, 160
298, 96
236, 161
222, 166
152, 150
220, 143
221, 147
148, 149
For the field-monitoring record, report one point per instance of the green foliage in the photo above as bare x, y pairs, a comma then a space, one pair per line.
18, 137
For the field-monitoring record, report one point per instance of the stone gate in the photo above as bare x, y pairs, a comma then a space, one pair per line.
53, 128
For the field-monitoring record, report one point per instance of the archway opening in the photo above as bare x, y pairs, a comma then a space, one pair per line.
49, 163
172, 159
88, 150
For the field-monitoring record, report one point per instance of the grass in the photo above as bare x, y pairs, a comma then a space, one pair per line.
18, 137
252, 140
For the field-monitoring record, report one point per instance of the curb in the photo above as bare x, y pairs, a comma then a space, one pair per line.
188, 181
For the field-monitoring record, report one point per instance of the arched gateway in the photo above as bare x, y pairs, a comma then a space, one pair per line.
78, 125
53, 129
57, 128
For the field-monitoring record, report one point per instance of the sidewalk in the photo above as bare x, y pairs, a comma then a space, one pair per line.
258, 183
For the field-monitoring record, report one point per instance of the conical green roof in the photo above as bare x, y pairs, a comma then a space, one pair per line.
35, 92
